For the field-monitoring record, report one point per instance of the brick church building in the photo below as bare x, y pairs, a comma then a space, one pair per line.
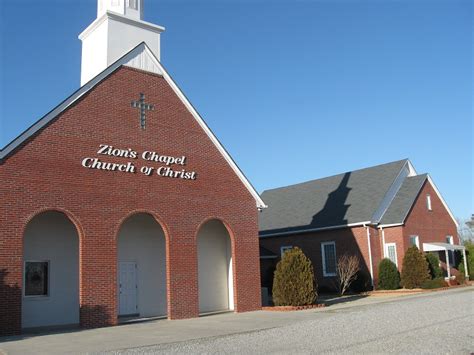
121, 203
374, 213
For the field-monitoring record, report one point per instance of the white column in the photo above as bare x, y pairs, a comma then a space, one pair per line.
370, 257
447, 263
465, 263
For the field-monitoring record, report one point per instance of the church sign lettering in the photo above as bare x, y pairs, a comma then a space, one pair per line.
170, 166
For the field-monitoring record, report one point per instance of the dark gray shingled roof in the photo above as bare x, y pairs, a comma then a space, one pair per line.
403, 200
352, 197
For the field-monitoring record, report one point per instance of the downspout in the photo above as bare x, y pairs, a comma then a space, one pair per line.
370, 256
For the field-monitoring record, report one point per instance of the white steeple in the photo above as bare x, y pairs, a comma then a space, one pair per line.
117, 29
129, 8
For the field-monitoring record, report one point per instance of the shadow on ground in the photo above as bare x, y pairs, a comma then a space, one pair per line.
330, 300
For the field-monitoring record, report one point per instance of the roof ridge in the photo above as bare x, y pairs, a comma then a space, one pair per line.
334, 175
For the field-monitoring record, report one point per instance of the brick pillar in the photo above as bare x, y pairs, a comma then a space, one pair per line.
11, 260
98, 277
246, 263
183, 293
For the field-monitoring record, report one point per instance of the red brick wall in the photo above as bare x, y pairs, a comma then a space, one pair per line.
430, 226
395, 235
352, 241
46, 173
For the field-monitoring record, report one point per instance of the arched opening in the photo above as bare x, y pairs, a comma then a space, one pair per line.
216, 292
141, 279
50, 271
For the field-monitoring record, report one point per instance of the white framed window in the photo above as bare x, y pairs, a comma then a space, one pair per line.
415, 240
428, 202
36, 278
328, 252
391, 252
285, 248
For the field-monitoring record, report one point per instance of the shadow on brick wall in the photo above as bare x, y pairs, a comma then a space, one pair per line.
10, 306
96, 316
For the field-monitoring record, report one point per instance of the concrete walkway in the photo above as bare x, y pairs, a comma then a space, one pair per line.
164, 331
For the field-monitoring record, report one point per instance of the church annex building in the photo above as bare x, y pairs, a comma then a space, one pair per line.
121, 202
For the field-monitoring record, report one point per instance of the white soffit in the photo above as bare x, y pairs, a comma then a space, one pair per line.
140, 57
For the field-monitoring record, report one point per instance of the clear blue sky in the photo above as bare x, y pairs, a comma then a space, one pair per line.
296, 90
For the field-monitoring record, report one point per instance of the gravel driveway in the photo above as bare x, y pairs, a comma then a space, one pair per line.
437, 323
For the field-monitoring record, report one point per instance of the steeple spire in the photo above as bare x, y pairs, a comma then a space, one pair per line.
118, 28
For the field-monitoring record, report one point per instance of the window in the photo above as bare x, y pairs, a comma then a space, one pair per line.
285, 248
428, 202
391, 252
328, 251
36, 278
132, 4
415, 240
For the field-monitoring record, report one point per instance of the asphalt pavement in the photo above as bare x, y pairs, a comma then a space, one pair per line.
435, 323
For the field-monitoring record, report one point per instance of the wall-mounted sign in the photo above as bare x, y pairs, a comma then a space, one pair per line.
168, 166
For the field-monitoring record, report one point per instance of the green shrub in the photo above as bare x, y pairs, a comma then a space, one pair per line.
389, 277
294, 283
415, 269
361, 283
435, 283
470, 259
460, 276
433, 264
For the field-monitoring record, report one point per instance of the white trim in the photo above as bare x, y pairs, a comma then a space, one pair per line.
390, 225
84, 89
114, 16
387, 245
442, 200
391, 192
315, 229
285, 248
435, 246
411, 169
323, 244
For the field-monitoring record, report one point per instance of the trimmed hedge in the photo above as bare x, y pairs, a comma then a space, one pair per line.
294, 283
433, 264
415, 271
389, 277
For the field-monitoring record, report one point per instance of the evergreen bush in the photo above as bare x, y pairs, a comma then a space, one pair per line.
470, 259
293, 282
433, 264
389, 277
415, 270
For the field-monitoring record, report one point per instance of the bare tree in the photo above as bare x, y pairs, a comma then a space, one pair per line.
347, 268
466, 229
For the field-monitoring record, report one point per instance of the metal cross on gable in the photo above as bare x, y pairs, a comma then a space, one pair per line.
143, 106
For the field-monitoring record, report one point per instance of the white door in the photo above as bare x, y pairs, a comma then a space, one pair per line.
127, 288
